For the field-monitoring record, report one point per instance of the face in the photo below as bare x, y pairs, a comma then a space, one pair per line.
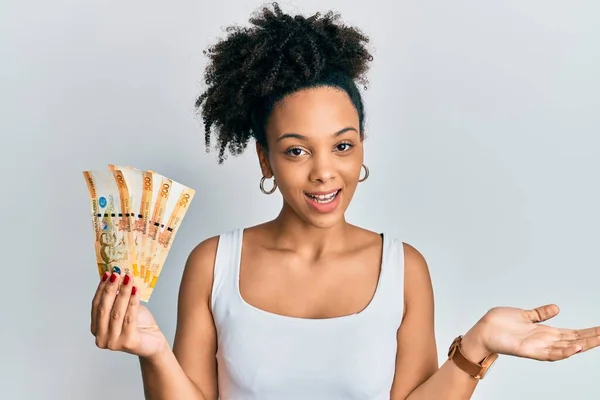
315, 154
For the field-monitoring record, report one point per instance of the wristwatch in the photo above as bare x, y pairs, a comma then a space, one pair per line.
476, 370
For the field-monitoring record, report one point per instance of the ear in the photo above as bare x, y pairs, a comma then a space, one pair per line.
263, 159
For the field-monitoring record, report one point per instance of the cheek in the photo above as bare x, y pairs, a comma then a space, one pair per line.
351, 172
289, 176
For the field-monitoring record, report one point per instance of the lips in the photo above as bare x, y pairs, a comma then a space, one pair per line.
323, 197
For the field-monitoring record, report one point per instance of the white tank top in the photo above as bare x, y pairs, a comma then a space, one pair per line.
266, 356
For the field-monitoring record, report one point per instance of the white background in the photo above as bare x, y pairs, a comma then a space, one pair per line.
482, 144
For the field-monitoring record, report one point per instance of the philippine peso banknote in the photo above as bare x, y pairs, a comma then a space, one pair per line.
176, 208
135, 216
111, 225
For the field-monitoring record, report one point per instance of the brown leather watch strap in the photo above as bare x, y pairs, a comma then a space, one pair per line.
476, 370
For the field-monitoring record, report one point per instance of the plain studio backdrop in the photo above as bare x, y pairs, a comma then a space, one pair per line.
482, 144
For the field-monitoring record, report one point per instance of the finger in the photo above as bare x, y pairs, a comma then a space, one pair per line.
542, 313
118, 312
588, 343
104, 309
129, 328
560, 351
588, 332
96, 301
576, 334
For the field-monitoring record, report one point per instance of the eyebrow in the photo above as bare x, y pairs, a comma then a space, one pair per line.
302, 137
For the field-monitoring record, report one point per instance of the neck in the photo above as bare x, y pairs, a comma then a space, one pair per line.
293, 233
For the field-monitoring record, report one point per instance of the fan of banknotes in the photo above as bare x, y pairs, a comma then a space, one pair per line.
136, 215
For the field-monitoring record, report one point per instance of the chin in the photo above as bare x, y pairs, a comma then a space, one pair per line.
324, 221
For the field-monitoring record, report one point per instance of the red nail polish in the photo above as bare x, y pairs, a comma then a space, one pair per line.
113, 277
126, 280
133, 291
105, 277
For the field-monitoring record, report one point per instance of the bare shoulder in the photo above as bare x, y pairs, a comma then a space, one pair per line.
411, 252
199, 270
417, 278
205, 251
414, 260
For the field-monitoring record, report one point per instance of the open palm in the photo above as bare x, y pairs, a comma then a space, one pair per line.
518, 332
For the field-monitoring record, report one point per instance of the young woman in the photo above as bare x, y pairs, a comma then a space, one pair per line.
307, 306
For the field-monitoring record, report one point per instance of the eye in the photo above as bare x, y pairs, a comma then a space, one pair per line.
294, 151
344, 146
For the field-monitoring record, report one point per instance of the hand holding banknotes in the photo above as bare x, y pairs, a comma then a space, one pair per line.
120, 322
135, 216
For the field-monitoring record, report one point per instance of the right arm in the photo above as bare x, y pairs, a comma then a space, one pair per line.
189, 370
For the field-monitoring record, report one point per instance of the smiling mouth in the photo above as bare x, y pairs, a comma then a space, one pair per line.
323, 198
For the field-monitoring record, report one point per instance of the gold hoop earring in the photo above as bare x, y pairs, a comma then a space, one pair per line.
366, 174
262, 186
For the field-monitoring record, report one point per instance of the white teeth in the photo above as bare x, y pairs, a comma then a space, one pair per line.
321, 198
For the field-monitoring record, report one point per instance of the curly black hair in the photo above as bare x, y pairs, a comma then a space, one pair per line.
255, 67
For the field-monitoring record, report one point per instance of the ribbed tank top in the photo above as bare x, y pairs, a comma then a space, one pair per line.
267, 356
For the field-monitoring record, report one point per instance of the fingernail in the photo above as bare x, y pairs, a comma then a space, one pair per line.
113, 278
580, 349
105, 277
126, 280
134, 291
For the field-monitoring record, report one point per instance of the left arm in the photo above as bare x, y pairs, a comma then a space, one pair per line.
418, 376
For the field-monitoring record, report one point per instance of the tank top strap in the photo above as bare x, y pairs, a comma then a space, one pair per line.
392, 277
226, 264
394, 262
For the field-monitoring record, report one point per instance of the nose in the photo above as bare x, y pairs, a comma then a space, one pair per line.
323, 169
